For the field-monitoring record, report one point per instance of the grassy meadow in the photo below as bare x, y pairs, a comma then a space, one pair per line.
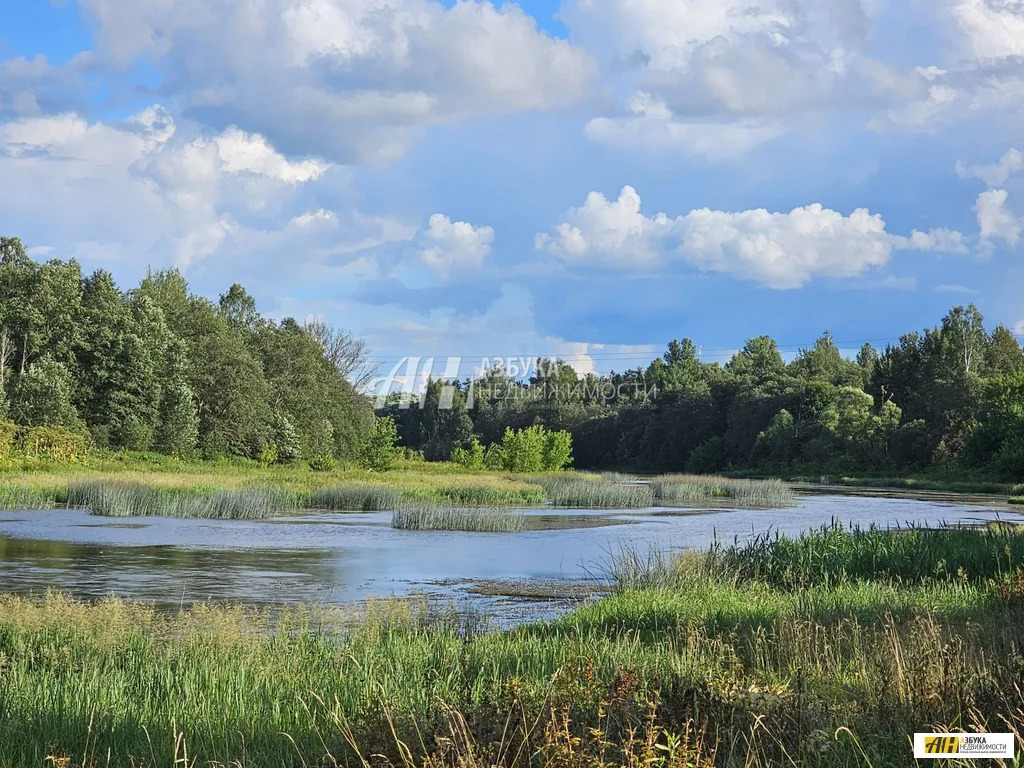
125, 485
739, 656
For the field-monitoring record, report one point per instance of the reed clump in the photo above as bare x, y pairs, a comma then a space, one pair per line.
354, 497
579, 491
129, 500
13, 497
910, 555
752, 493
428, 518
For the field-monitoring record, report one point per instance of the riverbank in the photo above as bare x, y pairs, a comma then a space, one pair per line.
717, 659
120, 485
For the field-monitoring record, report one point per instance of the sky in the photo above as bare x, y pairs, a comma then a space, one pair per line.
588, 179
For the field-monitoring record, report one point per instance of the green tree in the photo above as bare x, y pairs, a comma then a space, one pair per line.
759, 359
381, 451
43, 397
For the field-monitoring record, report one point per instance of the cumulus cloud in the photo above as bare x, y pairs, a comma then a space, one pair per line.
148, 191
454, 247
351, 80
727, 75
778, 250
995, 220
995, 174
993, 28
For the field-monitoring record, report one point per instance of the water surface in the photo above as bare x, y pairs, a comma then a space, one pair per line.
348, 557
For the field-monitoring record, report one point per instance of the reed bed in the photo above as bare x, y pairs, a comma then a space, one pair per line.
423, 518
354, 497
752, 493
477, 495
13, 497
837, 554
591, 492
125, 500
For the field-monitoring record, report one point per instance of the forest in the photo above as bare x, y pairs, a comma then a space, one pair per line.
158, 368
948, 400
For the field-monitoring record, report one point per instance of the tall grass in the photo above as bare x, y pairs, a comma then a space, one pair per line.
836, 554
14, 497
723, 675
124, 500
591, 492
754, 493
477, 495
354, 497
456, 519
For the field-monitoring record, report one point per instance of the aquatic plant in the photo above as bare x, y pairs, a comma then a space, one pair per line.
754, 493
13, 497
456, 519
129, 500
354, 497
581, 491
836, 553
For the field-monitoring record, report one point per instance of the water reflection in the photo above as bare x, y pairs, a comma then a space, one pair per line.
349, 557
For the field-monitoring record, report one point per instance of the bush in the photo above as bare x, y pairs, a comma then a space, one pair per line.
52, 443
8, 430
323, 463
380, 452
470, 457
533, 449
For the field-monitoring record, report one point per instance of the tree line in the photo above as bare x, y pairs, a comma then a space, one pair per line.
158, 368
947, 399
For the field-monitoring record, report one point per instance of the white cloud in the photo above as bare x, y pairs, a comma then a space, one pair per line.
995, 174
995, 221
352, 80
454, 247
148, 191
936, 240
652, 127
993, 28
779, 250
611, 233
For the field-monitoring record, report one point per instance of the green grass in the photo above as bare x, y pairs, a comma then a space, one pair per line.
581, 491
738, 675
14, 497
1017, 499
456, 519
835, 554
354, 497
753, 493
126, 500
940, 484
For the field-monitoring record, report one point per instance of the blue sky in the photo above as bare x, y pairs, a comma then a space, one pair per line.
589, 179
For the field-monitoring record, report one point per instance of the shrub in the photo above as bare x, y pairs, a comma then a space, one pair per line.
52, 443
323, 463
380, 452
533, 449
8, 431
471, 456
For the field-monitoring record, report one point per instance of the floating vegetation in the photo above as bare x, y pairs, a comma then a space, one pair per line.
458, 519
753, 493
